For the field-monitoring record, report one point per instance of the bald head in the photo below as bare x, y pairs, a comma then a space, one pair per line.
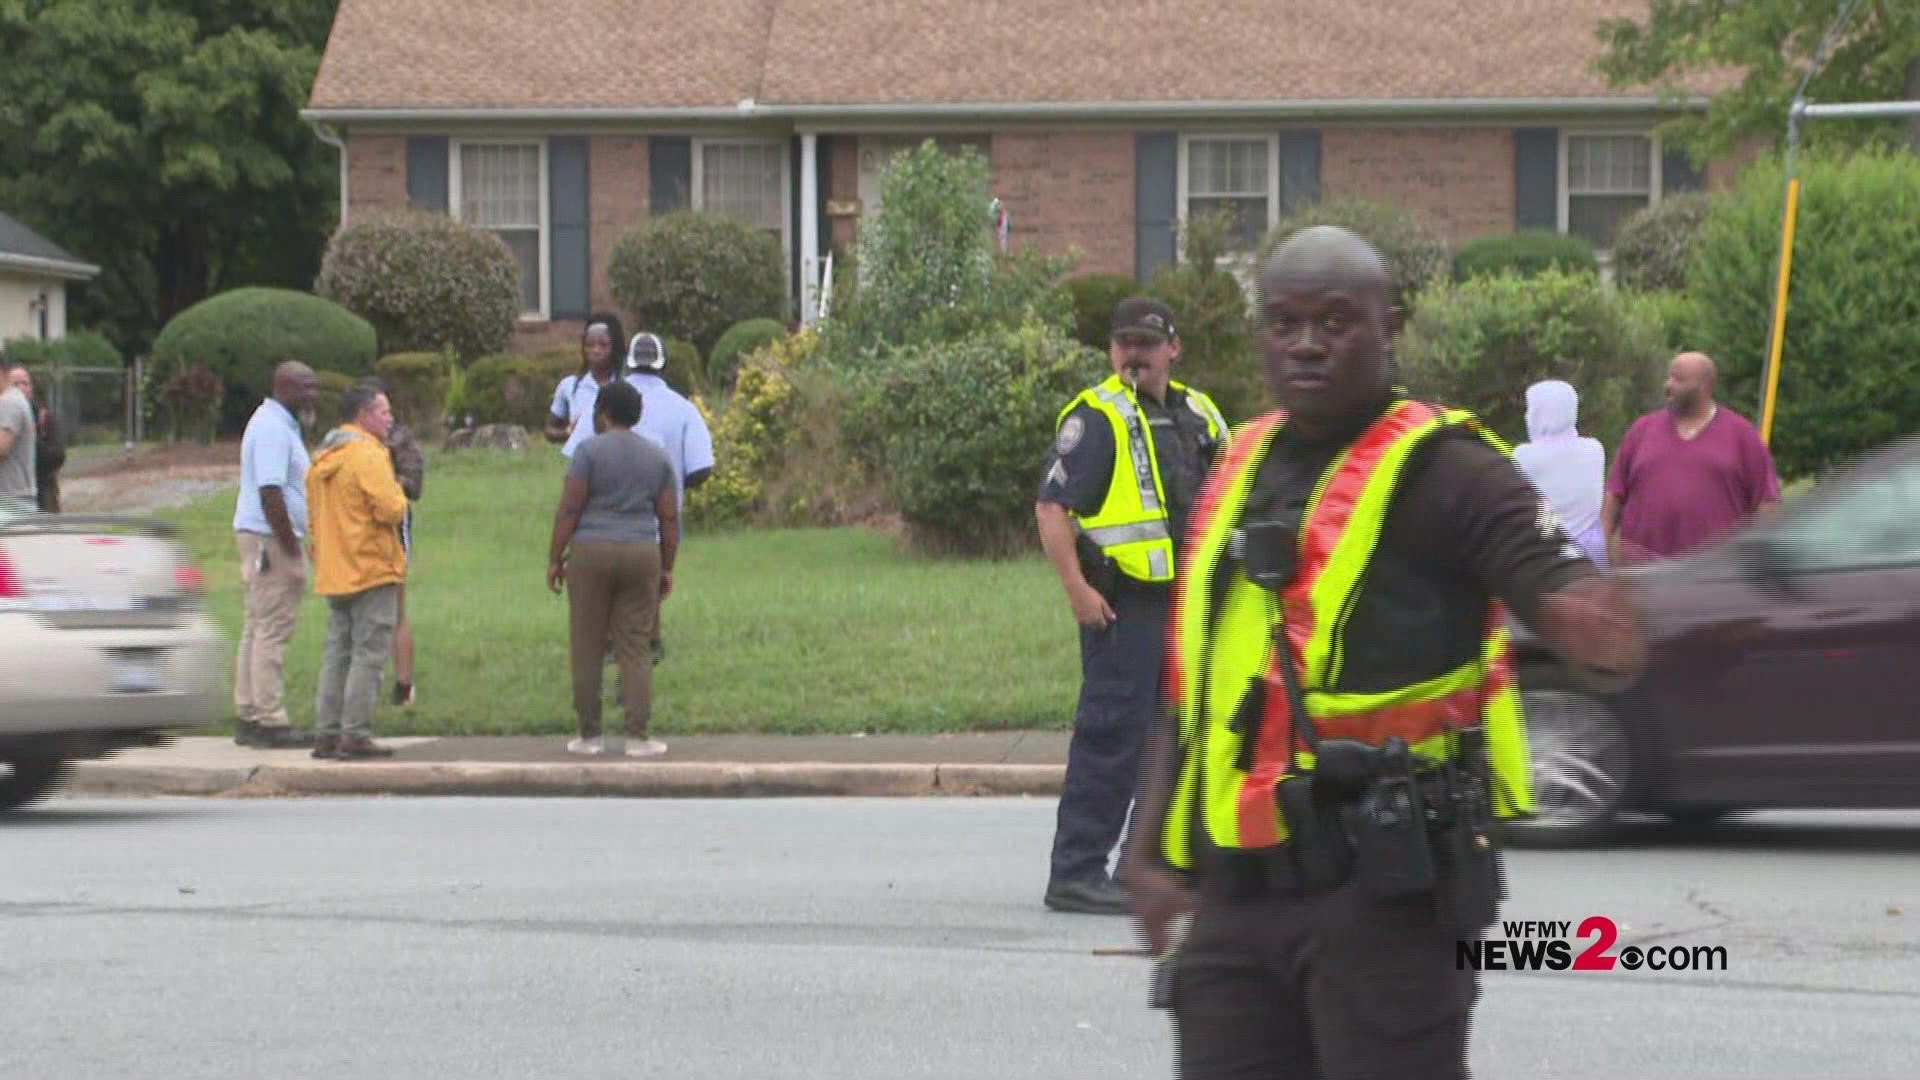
1327, 257
295, 386
1690, 380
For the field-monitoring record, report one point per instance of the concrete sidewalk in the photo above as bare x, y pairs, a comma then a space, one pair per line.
695, 766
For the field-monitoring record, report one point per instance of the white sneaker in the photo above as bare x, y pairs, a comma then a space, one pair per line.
590, 747
645, 748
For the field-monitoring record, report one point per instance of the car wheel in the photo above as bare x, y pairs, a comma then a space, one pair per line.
1582, 765
21, 782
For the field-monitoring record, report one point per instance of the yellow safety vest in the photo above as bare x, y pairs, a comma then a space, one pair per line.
1131, 525
1222, 646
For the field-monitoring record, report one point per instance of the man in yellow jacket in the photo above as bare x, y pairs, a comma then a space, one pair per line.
355, 506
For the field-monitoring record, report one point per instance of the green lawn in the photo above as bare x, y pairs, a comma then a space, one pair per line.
829, 630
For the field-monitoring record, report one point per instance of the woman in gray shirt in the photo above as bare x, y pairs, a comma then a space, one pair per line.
614, 538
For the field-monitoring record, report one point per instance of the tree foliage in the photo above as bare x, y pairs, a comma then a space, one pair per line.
163, 142
1770, 44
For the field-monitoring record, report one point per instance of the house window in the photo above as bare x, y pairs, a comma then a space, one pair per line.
502, 189
1237, 174
1608, 178
746, 181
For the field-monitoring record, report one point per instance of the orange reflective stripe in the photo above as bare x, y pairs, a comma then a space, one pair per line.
1414, 721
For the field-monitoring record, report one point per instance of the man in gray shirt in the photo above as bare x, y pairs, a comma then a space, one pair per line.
17, 484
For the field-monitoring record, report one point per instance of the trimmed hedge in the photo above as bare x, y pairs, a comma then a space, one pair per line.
969, 419
692, 275
416, 386
1094, 298
1653, 246
427, 283
1478, 344
243, 334
1210, 313
82, 348
1527, 252
741, 340
1413, 246
326, 404
1850, 366
514, 388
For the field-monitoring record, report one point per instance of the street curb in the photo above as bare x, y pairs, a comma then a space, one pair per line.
638, 780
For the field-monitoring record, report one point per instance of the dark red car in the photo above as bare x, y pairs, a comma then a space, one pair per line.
1782, 665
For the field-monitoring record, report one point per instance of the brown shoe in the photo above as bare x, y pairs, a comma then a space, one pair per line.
360, 747
326, 747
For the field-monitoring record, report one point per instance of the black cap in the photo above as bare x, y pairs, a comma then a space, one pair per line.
1142, 315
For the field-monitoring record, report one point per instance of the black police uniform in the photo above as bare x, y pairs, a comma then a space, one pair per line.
1277, 979
1120, 666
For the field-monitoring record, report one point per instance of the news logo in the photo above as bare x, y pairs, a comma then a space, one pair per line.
1544, 946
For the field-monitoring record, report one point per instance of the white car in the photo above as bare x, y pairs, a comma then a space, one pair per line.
105, 643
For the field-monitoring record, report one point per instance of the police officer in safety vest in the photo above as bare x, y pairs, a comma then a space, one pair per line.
1128, 458
1342, 727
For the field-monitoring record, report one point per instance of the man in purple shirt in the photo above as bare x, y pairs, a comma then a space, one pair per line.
1685, 476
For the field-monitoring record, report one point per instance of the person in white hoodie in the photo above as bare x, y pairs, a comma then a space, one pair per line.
1569, 469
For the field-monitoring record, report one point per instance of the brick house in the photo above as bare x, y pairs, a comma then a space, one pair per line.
559, 126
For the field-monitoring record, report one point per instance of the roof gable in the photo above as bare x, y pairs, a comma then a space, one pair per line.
21, 246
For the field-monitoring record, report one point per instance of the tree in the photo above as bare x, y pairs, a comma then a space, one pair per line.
1772, 43
163, 142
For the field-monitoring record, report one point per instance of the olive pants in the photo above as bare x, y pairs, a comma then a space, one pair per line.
1334, 986
613, 593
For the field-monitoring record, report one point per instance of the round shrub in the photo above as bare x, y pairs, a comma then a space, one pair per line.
511, 388
1653, 246
1413, 246
1848, 367
693, 275
82, 348
685, 372
1216, 338
427, 283
416, 386
326, 404
1094, 297
243, 334
1526, 253
969, 419
741, 340
1480, 343
1674, 313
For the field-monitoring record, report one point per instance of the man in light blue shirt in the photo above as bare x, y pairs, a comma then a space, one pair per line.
269, 523
675, 425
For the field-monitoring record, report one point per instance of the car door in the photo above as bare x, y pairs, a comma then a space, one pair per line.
1803, 680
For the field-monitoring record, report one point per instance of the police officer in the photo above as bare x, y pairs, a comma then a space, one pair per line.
1325, 809
1128, 456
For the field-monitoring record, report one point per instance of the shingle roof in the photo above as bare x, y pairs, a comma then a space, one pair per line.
21, 242
714, 53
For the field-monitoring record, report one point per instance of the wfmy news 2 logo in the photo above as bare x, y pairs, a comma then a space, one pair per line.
1545, 946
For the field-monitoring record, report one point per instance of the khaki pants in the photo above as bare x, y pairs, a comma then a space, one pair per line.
272, 604
359, 633
613, 592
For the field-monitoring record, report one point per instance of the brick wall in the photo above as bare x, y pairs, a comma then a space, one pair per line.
1070, 189
1460, 177
376, 174
617, 194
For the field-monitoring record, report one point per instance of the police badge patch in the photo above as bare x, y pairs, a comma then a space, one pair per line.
1070, 433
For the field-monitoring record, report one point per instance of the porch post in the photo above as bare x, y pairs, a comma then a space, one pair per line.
809, 229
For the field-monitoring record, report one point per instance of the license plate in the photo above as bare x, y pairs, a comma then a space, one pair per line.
133, 674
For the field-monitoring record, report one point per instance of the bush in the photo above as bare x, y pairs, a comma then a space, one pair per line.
1480, 343
1527, 252
1675, 314
84, 348
1653, 246
1414, 248
972, 424
1094, 296
692, 275
1216, 337
243, 334
326, 404
686, 373
192, 398
741, 339
512, 388
427, 283
417, 386
1850, 367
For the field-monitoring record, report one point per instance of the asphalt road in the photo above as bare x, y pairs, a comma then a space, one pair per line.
834, 938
